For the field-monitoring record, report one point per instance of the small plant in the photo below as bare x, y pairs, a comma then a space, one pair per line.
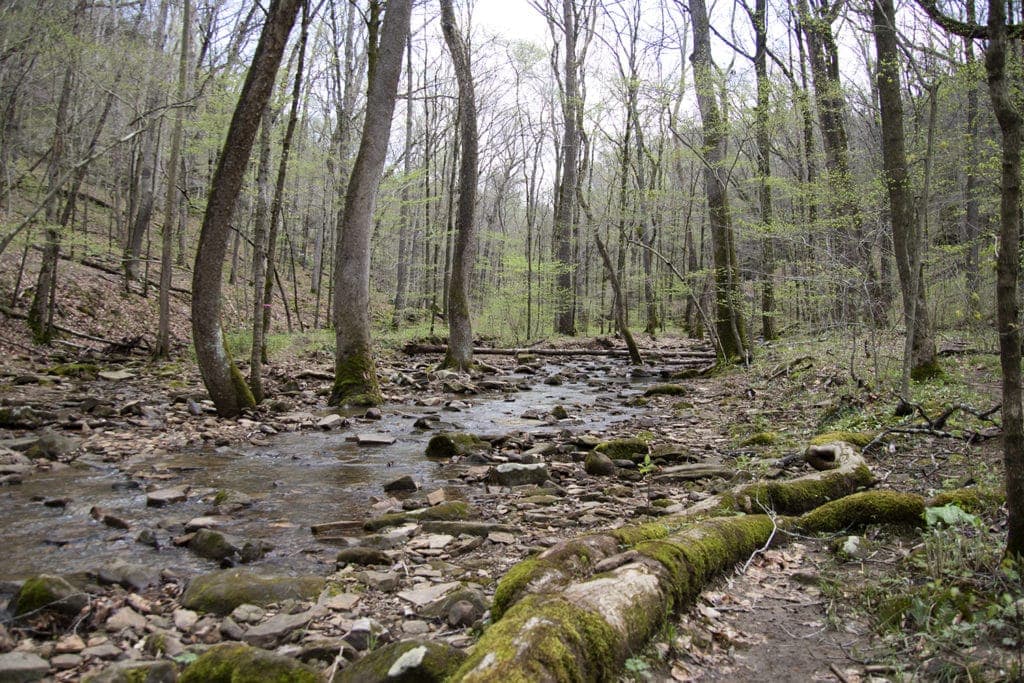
646, 468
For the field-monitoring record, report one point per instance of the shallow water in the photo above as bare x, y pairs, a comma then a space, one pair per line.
298, 479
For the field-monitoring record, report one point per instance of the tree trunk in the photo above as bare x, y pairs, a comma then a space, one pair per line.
355, 375
562, 229
223, 381
972, 217
405, 217
260, 263
728, 315
620, 316
921, 356
763, 139
460, 329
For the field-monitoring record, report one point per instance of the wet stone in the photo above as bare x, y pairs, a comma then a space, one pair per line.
19, 667
404, 484
161, 497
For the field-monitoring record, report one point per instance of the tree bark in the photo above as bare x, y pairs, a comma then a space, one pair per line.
565, 318
223, 381
763, 139
259, 253
728, 315
617, 305
355, 375
405, 217
460, 329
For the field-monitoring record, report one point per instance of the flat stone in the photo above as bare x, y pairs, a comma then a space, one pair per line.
501, 537
428, 594
437, 497
132, 576
65, 662
231, 630
382, 581
515, 474
331, 421
102, 651
415, 627
21, 667
275, 630
124, 618
223, 591
363, 556
344, 602
115, 375
70, 644
161, 497
207, 522
364, 632
375, 439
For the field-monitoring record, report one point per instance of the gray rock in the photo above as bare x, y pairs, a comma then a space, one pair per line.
248, 614
450, 444
274, 631
161, 497
599, 465
222, 591
102, 651
404, 484
21, 667
462, 614
230, 629
367, 632
132, 576
239, 662
382, 581
514, 474
363, 556
19, 417
48, 593
124, 618
51, 445
65, 661
132, 671
214, 545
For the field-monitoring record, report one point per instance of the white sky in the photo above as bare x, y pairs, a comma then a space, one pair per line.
514, 19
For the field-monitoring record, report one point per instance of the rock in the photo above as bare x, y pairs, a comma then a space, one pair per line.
233, 499
65, 662
470, 528
331, 421
214, 545
450, 444
275, 630
206, 522
344, 602
693, 472
599, 465
554, 380
462, 614
237, 662
421, 596
19, 417
124, 618
108, 519
437, 497
185, 620
667, 390
6, 642
48, 593
366, 632
373, 414
161, 497
375, 439
514, 474
326, 650
632, 449
115, 375
409, 661
382, 581
230, 629
19, 667
102, 651
222, 591
69, 644
501, 537
362, 556
824, 456
401, 485
248, 614
453, 510
132, 576
133, 671
441, 608
51, 445
560, 413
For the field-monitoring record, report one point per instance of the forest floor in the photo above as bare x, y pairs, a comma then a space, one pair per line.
892, 604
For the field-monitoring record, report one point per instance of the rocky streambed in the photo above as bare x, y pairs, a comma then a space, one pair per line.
288, 541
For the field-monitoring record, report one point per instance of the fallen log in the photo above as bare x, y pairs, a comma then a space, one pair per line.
578, 609
413, 349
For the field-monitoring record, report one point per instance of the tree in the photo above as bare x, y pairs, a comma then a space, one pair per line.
460, 330
223, 381
921, 357
355, 373
729, 327
1011, 127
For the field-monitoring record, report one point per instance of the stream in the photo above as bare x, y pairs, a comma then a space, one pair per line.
298, 479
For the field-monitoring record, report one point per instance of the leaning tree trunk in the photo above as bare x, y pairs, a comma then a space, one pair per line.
905, 235
617, 304
355, 374
223, 381
728, 316
460, 329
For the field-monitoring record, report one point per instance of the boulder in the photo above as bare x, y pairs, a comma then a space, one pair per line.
19, 417
514, 474
237, 662
22, 667
632, 449
214, 545
409, 661
277, 629
131, 576
362, 556
450, 444
51, 445
48, 593
222, 591
599, 465
404, 484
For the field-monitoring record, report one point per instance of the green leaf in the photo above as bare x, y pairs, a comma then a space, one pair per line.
950, 515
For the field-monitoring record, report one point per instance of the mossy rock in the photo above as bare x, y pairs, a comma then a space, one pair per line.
237, 663
409, 661
796, 496
362, 556
47, 593
76, 370
19, 417
222, 591
544, 638
631, 535
858, 439
451, 444
761, 439
136, 672
667, 390
927, 372
452, 511
624, 449
864, 508
977, 500
51, 445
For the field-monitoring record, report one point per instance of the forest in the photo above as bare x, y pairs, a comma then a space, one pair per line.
464, 340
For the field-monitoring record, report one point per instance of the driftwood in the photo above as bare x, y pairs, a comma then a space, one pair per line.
413, 349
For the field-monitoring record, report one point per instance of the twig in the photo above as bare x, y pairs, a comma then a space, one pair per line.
767, 544
838, 674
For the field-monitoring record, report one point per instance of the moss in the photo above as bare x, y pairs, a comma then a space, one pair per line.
79, 370
355, 381
796, 496
545, 638
977, 500
631, 535
237, 663
513, 584
858, 439
667, 390
662, 503
49, 593
223, 591
445, 512
928, 371
439, 661
761, 439
450, 444
866, 507
623, 449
